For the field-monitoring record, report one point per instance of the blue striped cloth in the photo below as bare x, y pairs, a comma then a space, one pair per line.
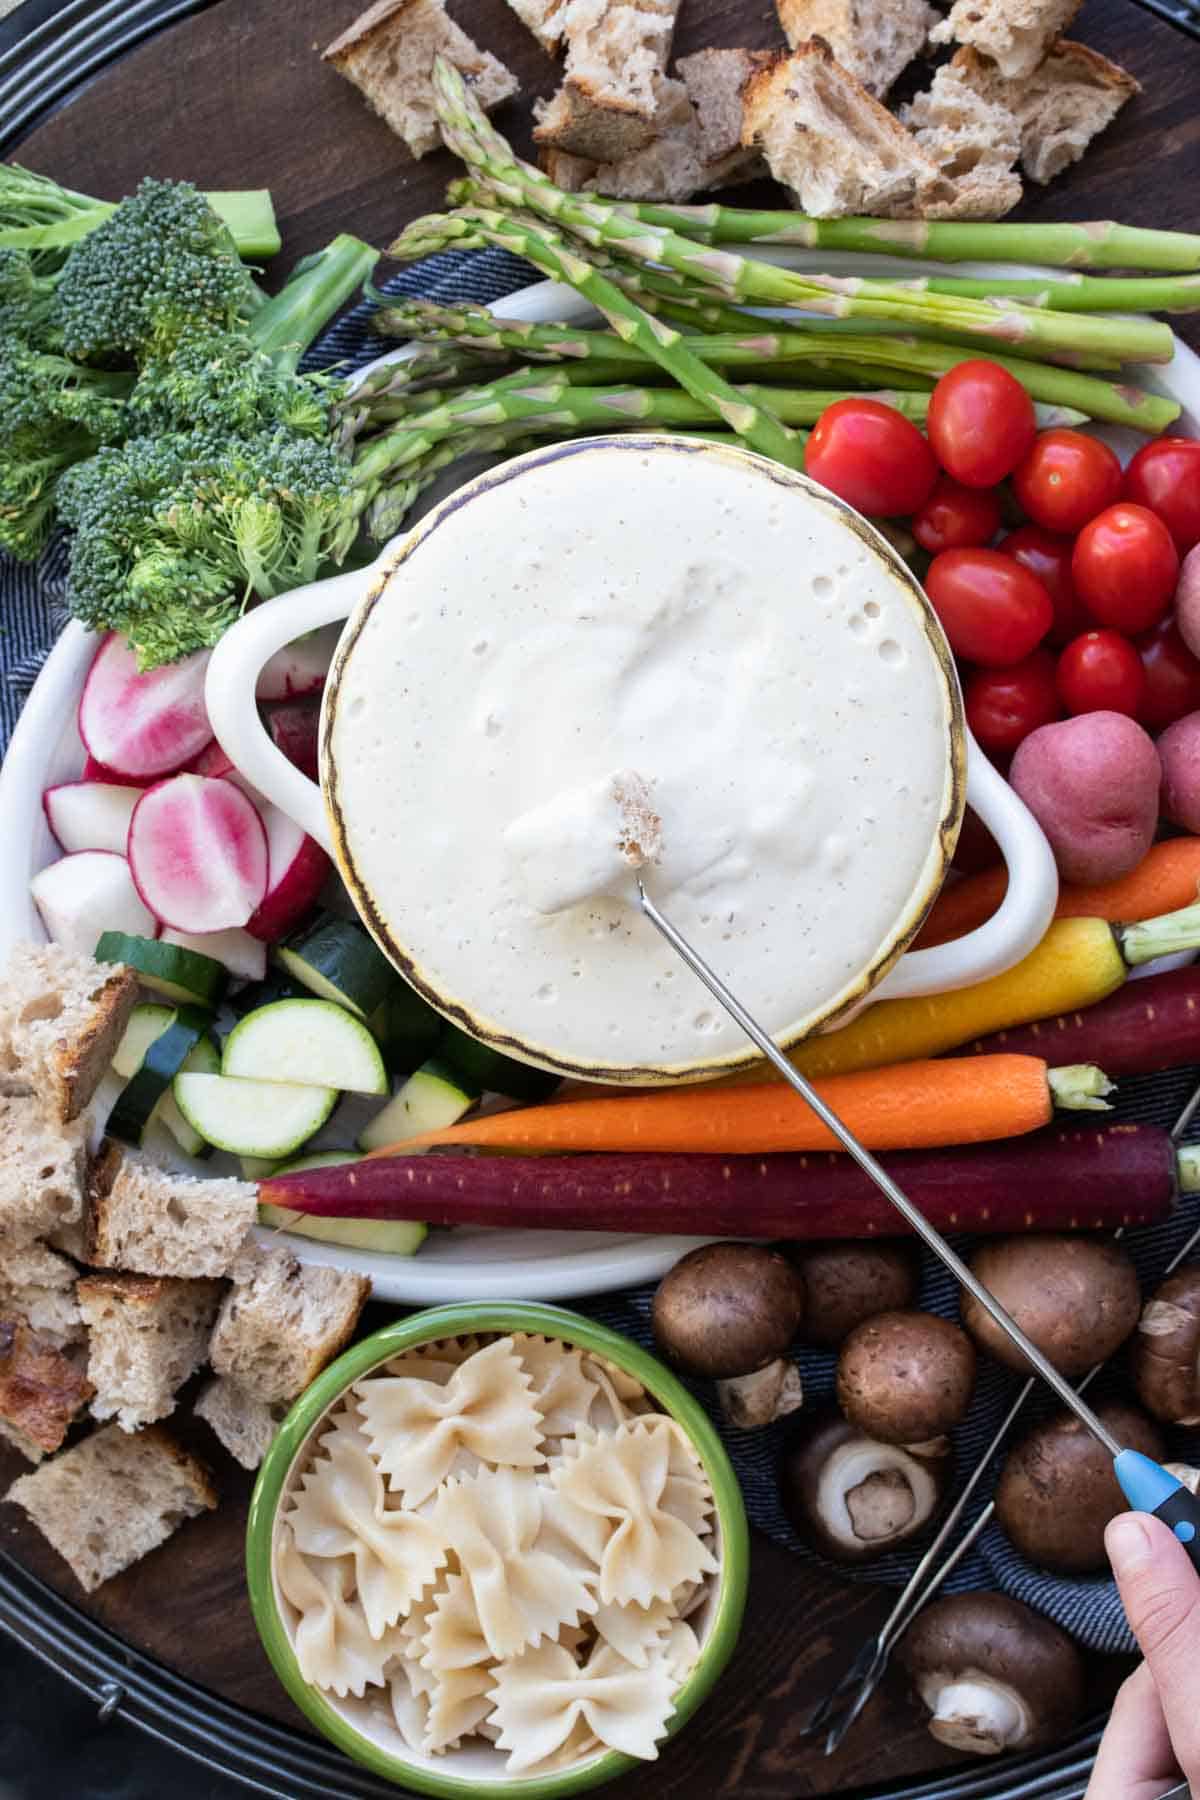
32, 601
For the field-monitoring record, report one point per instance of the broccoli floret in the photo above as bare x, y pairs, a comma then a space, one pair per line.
25, 298
222, 382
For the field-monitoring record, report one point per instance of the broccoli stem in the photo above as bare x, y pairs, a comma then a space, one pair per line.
317, 288
39, 215
250, 216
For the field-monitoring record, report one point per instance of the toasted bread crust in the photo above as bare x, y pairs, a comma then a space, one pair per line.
41, 1390
77, 1065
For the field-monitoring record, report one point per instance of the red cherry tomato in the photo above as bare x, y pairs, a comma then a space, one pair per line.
992, 610
872, 457
1101, 672
1066, 479
981, 423
1005, 705
1125, 566
956, 517
1172, 677
1048, 556
1165, 476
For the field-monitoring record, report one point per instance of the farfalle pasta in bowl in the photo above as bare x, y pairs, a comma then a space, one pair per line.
496, 1547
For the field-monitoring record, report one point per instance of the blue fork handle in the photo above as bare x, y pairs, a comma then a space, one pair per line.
1149, 1488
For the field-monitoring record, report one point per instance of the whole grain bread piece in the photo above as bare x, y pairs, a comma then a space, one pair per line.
617, 54
832, 144
874, 40
975, 141
39, 1286
389, 54
107, 1501
243, 1423
716, 83
42, 1167
281, 1322
61, 1018
543, 18
146, 1335
1067, 101
41, 1391
156, 1222
1013, 34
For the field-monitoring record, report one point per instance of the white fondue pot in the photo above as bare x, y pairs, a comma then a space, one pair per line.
736, 635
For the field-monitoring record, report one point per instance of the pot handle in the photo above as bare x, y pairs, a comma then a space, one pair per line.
1024, 914
233, 672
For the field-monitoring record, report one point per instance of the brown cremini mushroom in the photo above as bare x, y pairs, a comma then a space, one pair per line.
994, 1675
1166, 1349
905, 1377
852, 1498
845, 1283
729, 1312
1057, 1490
1076, 1298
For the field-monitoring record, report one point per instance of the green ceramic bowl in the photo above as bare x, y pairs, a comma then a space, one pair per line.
475, 1773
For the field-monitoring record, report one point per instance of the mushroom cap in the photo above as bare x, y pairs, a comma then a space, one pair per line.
992, 1643
1057, 1490
1076, 1297
905, 1377
845, 1283
852, 1498
727, 1309
1166, 1349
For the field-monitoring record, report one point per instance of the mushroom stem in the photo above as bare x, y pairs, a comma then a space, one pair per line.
978, 1714
749, 1401
881, 1505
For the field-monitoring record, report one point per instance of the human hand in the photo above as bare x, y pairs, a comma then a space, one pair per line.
1154, 1733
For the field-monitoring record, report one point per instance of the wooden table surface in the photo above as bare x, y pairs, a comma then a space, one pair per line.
237, 97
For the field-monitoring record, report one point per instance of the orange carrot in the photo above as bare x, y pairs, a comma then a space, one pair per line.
913, 1106
1167, 878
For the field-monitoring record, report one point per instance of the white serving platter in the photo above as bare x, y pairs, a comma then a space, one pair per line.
466, 1264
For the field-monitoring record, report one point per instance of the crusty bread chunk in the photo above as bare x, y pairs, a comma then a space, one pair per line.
543, 18
281, 1322
716, 83
61, 1018
243, 1423
39, 1286
389, 54
835, 147
1066, 102
41, 1171
1014, 34
107, 1501
156, 1222
974, 141
874, 40
146, 1335
41, 1390
617, 53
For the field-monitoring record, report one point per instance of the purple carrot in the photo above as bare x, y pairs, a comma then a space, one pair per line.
1147, 1025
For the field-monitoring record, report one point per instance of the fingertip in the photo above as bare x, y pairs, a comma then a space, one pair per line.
1128, 1542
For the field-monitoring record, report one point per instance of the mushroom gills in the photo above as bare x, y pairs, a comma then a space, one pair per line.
870, 1493
975, 1712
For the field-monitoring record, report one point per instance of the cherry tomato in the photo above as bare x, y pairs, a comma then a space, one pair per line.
872, 457
1165, 476
981, 423
1172, 676
1005, 705
956, 517
1066, 480
1048, 556
1125, 566
992, 610
1101, 672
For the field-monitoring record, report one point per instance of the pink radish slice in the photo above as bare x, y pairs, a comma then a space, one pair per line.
241, 954
300, 667
96, 771
293, 727
212, 760
84, 895
198, 852
297, 867
90, 815
143, 725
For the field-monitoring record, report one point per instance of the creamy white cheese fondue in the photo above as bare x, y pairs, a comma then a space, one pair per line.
722, 629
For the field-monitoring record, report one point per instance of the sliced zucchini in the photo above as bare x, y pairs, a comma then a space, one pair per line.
338, 961
276, 984
491, 1070
255, 1168
164, 1055
252, 1118
316, 1159
205, 1059
433, 1096
391, 1237
407, 1028
309, 1042
145, 1024
184, 976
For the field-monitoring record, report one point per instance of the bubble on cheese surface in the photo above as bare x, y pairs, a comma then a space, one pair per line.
585, 841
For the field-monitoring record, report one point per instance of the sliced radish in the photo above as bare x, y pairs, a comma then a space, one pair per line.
300, 667
198, 852
82, 896
296, 871
143, 724
212, 760
96, 771
293, 728
90, 815
243, 955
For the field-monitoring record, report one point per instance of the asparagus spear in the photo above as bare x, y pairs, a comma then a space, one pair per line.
1080, 293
